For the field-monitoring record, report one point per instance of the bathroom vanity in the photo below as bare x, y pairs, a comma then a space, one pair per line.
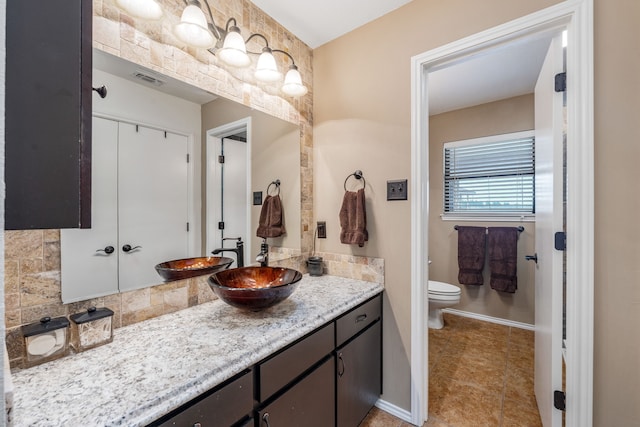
314, 359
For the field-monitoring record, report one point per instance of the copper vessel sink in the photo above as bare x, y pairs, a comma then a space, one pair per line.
185, 268
254, 288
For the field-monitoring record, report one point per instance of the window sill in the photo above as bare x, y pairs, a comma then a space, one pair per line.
489, 218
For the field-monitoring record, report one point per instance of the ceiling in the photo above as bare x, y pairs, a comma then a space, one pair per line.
499, 73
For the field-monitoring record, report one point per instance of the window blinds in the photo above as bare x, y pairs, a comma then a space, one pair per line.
490, 176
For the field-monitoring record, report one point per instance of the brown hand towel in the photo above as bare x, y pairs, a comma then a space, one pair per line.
353, 219
471, 250
503, 258
271, 223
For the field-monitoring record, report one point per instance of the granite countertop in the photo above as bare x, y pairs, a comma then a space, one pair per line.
157, 365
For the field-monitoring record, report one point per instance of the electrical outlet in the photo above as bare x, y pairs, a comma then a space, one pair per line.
322, 229
397, 189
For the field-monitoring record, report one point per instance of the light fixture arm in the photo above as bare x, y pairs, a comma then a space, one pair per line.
217, 31
287, 54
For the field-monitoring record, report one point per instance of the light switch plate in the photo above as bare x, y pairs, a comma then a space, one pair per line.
322, 229
397, 189
257, 198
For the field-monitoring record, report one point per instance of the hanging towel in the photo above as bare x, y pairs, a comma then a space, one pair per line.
503, 258
271, 223
353, 219
471, 250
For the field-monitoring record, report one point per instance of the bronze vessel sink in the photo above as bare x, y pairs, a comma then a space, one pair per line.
185, 268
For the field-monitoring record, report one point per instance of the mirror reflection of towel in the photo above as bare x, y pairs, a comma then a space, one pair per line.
353, 219
471, 249
271, 222
503, 258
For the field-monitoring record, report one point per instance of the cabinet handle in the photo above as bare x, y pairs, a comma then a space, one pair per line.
265, 419
128, 248
361, 318
108, 250
341, 360
197, 425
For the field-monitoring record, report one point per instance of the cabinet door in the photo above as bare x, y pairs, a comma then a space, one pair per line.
152, 202
309, 403
358, 367
88, 269
48, 114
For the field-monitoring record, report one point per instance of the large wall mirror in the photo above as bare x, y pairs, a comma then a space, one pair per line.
155, 163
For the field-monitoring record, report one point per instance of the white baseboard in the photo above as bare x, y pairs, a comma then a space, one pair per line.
497, 320
394, 410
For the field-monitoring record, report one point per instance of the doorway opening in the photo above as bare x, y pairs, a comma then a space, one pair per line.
576, 18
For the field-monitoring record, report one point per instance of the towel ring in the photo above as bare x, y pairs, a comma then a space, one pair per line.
358, 175
277, 184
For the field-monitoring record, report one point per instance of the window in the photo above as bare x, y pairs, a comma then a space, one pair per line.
491, 176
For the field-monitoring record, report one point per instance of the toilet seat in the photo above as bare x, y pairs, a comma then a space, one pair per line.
443, 289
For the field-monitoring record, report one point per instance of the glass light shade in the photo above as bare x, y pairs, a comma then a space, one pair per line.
266, 69
293, 83
234, 51
192, 28
144, 9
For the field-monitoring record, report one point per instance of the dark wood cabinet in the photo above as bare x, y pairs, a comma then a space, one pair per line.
48, 114
310, 402
359, 377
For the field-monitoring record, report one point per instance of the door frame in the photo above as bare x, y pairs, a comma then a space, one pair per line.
223, 131
577, 17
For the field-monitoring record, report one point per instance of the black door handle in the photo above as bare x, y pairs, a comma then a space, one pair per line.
533, 258
108, 250
128, 248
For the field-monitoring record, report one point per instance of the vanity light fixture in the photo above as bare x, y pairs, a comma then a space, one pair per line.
228, 44
144, 9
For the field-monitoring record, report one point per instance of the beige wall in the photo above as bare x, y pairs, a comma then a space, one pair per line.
362, 116
495, 118
617, 206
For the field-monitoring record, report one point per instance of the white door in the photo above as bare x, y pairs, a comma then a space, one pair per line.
152, 203
88, 270
549, 208
227, 196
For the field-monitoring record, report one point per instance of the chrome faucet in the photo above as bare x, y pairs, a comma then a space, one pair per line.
239, 250
263, 256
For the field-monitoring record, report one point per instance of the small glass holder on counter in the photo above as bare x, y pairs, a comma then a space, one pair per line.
91, 328
46, 340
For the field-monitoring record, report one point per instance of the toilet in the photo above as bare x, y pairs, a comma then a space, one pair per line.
441, 295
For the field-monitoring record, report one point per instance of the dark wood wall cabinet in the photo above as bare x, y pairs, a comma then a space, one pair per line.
48, 114
330, 377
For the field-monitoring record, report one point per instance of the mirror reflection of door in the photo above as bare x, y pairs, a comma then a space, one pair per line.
227, 177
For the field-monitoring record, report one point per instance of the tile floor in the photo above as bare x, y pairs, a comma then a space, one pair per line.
480, 374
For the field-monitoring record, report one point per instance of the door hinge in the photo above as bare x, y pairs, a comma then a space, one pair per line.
221, 159
560, 241
187, 227
559, 400
561, 82
221, 225
187, 157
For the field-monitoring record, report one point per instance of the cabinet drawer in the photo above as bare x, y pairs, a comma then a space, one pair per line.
357, 319
284, 367
224, 407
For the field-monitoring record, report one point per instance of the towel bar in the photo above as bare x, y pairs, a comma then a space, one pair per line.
358, 175
520, 228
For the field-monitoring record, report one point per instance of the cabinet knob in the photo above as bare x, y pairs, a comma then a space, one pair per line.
197, 425
102, 91
265, 419
108, 250
128, 248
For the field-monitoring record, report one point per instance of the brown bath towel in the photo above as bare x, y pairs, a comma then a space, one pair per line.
353, 219
271, 223
471, 250
503, 258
